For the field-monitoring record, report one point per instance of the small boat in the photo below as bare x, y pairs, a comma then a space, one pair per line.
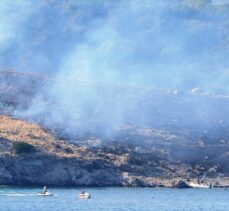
196, 185
84, 195
45, 194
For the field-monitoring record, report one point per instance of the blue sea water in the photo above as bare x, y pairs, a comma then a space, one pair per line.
114, 199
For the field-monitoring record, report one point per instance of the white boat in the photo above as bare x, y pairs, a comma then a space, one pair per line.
84, 195
196, 185
45, 194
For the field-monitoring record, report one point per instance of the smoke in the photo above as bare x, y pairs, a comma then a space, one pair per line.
100, 48
181, 44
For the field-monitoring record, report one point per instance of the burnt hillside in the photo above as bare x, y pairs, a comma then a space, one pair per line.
170, 142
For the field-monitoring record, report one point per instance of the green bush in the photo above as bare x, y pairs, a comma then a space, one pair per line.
22, 147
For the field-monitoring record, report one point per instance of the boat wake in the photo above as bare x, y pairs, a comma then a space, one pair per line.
18, 194
21, 194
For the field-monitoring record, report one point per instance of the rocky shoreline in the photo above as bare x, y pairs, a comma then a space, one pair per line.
50, 170
58, 162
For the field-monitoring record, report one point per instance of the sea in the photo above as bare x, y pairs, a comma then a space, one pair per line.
113, 199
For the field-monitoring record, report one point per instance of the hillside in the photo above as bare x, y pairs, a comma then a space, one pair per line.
137, 153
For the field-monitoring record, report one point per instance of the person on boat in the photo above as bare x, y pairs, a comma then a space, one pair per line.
84, 195
45, 190
210, 186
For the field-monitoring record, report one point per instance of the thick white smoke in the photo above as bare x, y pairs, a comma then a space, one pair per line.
176, 44
103, 47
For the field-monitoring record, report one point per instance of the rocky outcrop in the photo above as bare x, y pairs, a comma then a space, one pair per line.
51, 170
180, 184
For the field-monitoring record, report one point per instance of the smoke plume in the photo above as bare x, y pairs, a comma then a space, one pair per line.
108, 59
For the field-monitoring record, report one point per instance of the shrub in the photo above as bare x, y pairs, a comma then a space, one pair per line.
68, 150
22, 147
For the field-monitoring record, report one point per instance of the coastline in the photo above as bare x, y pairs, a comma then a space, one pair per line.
57, 162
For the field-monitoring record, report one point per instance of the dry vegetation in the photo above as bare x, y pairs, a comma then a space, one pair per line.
18, 130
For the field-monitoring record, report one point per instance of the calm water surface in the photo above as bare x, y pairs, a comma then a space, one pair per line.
114, 199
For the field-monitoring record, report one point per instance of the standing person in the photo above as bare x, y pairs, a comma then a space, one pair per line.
45, 190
